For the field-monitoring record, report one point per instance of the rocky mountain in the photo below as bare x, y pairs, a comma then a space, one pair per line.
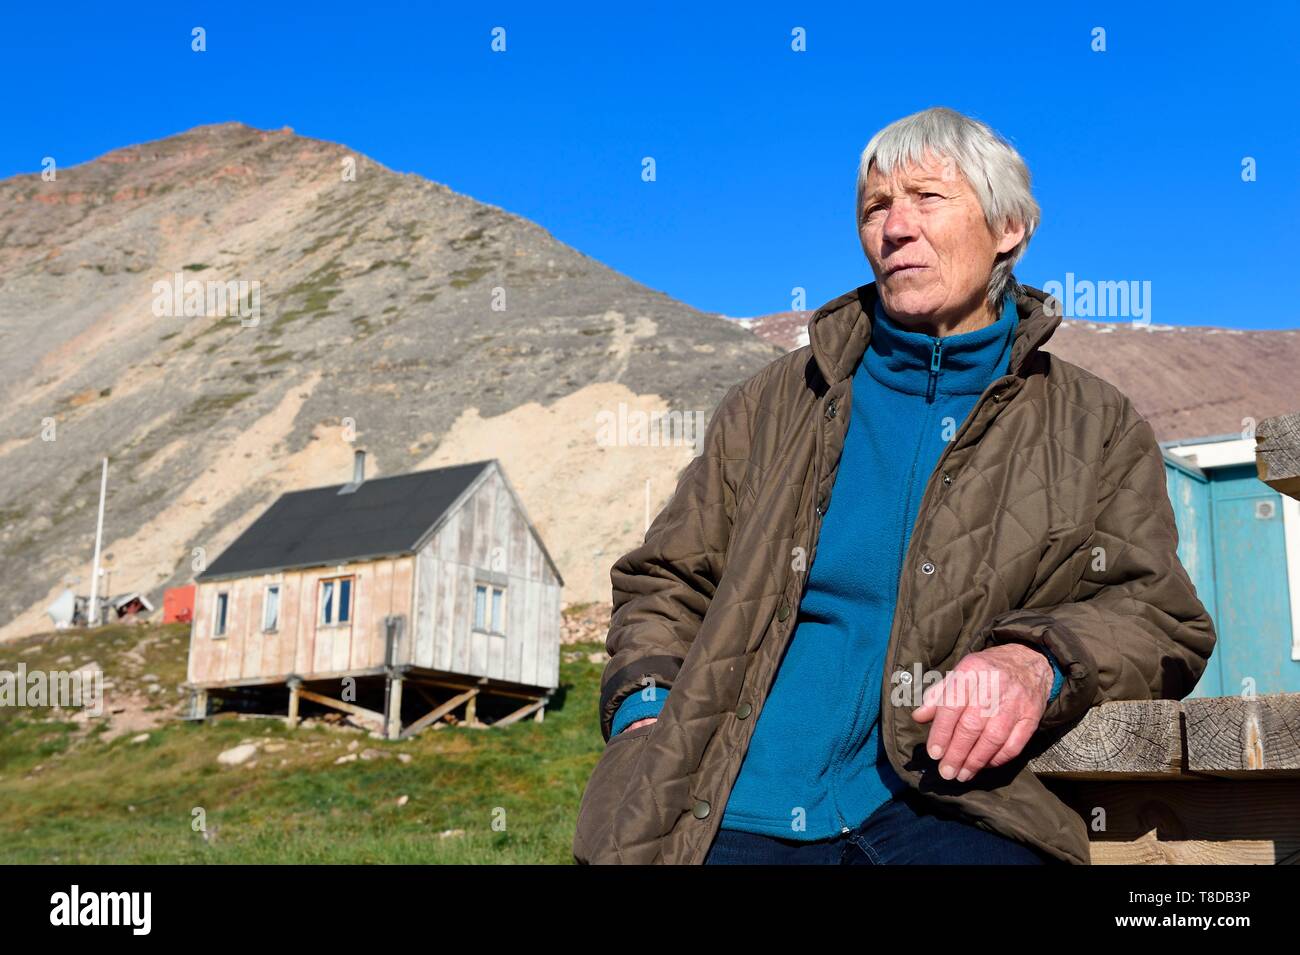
368, 309
1189, 382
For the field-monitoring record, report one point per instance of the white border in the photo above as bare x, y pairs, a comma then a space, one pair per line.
1291, 528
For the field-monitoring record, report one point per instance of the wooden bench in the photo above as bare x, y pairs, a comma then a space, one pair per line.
1201, 781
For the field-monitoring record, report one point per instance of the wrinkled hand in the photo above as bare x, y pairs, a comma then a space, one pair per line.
986, 709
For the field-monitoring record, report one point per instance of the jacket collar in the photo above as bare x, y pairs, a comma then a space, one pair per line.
839, 331
914, 363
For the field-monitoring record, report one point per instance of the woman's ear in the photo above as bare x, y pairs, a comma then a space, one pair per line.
1012, 234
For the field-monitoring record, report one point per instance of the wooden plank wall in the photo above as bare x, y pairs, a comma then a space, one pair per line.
488, 533
300, 645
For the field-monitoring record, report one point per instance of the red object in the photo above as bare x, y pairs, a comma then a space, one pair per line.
178, 604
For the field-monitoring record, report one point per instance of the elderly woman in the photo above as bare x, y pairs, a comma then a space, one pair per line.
911, 554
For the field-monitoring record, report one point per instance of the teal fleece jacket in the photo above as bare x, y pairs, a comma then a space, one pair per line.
815, 766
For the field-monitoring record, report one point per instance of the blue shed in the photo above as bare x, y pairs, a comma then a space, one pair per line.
1240, 542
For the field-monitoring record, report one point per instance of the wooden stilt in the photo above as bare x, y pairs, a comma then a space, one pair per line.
292, 719
394, 728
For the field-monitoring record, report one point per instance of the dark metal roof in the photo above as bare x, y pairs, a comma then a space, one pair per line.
382, 517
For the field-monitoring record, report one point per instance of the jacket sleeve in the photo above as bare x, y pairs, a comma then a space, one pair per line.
662, 588
1133, 628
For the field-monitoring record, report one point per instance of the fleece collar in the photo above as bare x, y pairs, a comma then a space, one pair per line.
917, 364
840, 330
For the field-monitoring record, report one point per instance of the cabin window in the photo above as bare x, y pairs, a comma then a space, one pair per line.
219, 619
336, 600
490, 608
271, 610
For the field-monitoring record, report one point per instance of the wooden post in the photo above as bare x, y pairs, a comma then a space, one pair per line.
394, 715
199, 703
1277, 453
292, 719
470, 718
1205, 780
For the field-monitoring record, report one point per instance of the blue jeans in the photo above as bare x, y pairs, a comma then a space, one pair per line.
907, 830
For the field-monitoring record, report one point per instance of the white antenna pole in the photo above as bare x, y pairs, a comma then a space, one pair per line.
92, 612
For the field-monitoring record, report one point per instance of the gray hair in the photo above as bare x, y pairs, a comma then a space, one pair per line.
989, 163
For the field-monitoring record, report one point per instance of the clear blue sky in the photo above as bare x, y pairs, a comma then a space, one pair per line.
1136, 152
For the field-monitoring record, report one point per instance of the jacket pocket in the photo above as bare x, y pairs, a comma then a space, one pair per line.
592, 837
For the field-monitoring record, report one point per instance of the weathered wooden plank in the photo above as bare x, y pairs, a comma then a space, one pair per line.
520, 539
403, 605
520, 713
548, 674
428, 568
1277, 453
478, 656
1133, 739
350, 708
438, 713
343, 633
530, 636
1189, 821
305, 653
480, 517
362, 631
444, 615
462, 621
196, 670
287, 638
503, 514
496, 657
1232, 736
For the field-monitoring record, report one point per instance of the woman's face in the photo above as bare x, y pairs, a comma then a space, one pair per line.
932, 253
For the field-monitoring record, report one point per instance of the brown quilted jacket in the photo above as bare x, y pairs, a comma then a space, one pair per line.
1045, 520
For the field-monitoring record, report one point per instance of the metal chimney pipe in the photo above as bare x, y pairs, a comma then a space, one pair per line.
358, 473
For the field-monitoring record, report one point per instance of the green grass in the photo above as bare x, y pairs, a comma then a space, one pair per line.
316, 292
67, 795
463, 278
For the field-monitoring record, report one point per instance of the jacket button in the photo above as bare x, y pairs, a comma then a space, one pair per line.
783, 612
904, 677
947, 478
700, 809
927, 568
830, 409
743, 711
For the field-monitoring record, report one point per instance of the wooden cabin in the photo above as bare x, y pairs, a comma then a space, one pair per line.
396, 600
1240, 542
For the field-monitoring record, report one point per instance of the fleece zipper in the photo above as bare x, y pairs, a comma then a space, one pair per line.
846, 740
1007, 385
